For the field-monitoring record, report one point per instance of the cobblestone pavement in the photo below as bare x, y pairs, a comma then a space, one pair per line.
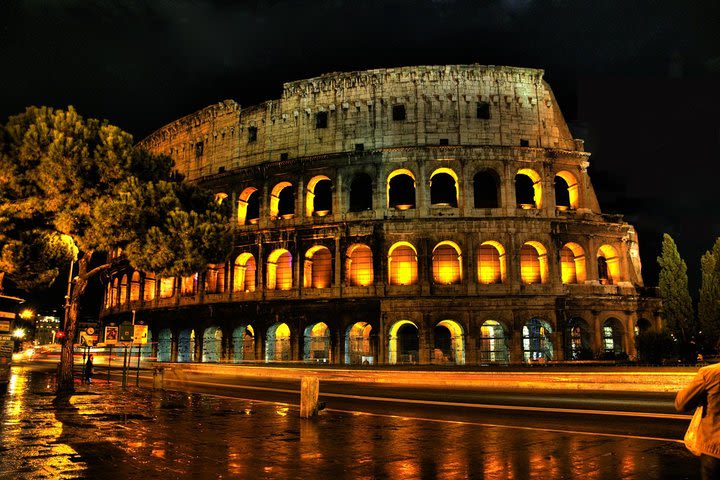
104, 432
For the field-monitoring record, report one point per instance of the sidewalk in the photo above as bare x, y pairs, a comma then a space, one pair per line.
105, 432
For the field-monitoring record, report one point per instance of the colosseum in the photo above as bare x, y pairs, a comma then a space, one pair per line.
416, 215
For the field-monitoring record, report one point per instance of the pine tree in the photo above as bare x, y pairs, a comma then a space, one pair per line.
74, 189
677, 304
709, 303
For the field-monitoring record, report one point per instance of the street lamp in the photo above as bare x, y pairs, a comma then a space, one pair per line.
19, 333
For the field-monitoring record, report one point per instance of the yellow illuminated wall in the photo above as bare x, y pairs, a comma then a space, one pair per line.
402, 264
187, 284
149, 287
447, 263
135, 287
243, 204
491, 263
279, 270
572, 264
215, 278
318, 267
610, 255
122, 295
573, 188
537, 184
167, 287
244, 273
358, 341
359, 265
533, 263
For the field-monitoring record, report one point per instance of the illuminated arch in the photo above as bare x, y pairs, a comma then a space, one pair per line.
243, 343
164, 346
318, 197
533, 263
286, 207
114, 295
135, 286
608, 265
186, 346
318, 267
523, 198
167, 287
149, 287
277, 343
447, 263
493, 343
279, 270
317, 343
537, 343
572, 263
215, 278
122, 296
220, 198
444, 187
359, 265
449, 348
188, 284
577, 340
212, 345
567, 191
244, 273
357, 344
403, 347
613, 338
401, 189
491, 263
402, 264
248, 206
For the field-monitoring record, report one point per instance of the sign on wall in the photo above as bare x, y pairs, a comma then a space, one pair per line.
111, 335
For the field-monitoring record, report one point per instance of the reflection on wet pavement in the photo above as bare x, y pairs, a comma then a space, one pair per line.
103, 432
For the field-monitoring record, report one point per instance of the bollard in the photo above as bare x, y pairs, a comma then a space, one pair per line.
158, 378
309, 393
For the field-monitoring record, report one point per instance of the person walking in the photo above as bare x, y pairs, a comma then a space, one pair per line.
704, 391
89, 369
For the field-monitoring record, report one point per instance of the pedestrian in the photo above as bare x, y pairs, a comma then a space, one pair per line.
89, 368
704, 391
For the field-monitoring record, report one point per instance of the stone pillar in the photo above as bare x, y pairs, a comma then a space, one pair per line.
309, 393
516, 352
425, 340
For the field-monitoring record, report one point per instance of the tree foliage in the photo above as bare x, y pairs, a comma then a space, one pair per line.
71, 186
709, 302
673, 284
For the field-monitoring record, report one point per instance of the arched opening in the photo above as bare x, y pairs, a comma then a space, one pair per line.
316, 346
149, 287
188, 285
318, 198
167, 287
642, 325
608, 265
282, 200
577, 340
402, 264
447, 263
114, 294
358, 349
212, 345
359, 265
528, 189
135, 287
443, 188
243, 343
572, 263
361, 193
566, 191
108, 295
123, 294
215, 278
279, 270
186, 346
612, 338
318, 267
486, 191
249, 206
164, 345
244, 273
401, 190
533, 263
537, 344
449, 343
146, 348
404, 343
277, 343
493, 343
491, 263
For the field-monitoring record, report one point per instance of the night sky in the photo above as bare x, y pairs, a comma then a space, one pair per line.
638, 80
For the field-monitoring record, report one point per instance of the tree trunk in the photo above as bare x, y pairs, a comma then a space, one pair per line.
65, 381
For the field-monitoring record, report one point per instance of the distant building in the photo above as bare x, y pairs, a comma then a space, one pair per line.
438, 214
46, 327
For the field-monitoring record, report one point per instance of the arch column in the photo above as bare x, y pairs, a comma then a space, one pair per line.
174, 345
516, 350
597, 335
426, 341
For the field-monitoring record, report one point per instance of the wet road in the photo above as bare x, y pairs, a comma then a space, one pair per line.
105, 432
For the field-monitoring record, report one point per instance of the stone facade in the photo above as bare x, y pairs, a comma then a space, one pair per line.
436, 214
